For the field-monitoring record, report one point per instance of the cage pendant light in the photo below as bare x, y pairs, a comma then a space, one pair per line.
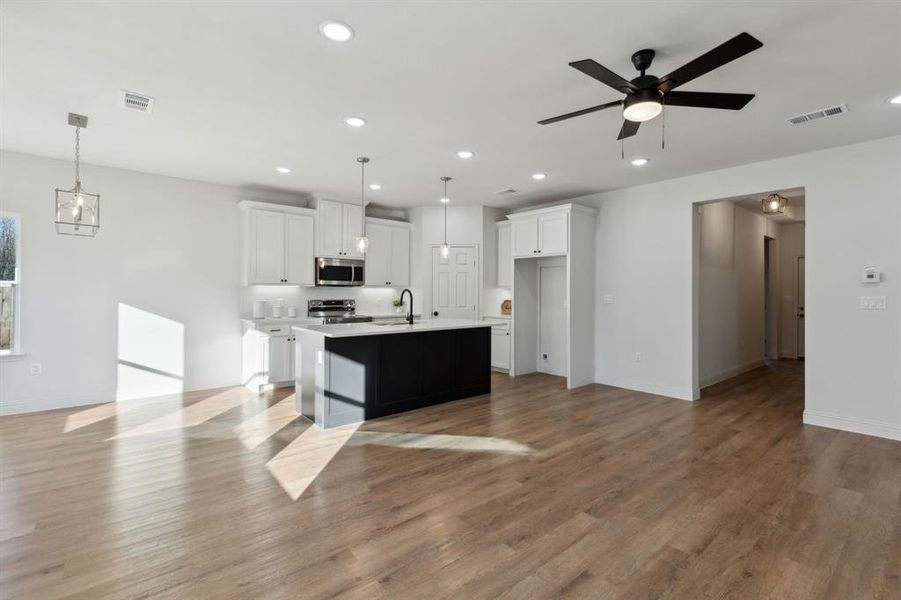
77, 211
362, 241
445, 249
774, 204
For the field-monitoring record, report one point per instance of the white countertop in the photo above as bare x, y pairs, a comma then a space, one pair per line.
357, 329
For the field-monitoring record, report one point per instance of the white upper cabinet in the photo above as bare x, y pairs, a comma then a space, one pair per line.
525, 237
330, 232
300, 249
279, 244
388, 257
353, 229
504, 254
540, 233
339, 228
553, 234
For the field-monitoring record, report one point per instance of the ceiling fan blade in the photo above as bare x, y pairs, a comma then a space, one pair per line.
629, 129
604, 75
719, 56
707, 100
579, 113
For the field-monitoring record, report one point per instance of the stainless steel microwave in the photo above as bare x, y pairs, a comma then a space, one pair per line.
339, 271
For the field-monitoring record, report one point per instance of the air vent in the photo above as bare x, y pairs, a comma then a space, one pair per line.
505, 192
133, 101
819, 114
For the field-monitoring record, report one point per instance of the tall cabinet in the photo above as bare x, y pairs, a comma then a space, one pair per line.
278, 244
543, 240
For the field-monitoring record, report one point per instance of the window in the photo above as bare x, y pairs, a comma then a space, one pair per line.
9, 283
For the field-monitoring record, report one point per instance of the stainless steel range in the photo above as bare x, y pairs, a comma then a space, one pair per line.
335, 311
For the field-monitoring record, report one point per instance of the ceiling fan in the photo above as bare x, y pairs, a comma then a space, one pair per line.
646, 95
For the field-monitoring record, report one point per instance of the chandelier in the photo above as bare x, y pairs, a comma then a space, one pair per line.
77, 211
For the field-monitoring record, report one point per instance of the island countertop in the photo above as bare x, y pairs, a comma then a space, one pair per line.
338, 330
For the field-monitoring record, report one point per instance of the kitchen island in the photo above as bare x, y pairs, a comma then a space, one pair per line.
351, 372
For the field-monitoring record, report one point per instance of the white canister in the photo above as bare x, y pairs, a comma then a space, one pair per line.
292, 312
276, 311
259, 309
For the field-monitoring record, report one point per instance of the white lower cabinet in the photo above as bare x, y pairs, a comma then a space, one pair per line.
500, 347
268, 360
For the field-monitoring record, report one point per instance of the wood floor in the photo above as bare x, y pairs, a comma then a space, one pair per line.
533, 492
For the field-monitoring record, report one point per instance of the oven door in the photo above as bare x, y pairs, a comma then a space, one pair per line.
338, 272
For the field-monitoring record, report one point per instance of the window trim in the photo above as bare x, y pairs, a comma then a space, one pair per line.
16, 348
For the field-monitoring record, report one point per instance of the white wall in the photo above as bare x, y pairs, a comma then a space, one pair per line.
731, 300
168, 251
645, 258
791, 246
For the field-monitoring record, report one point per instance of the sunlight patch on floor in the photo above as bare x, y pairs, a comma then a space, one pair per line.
95, 414
301, 461
190, 416
441, 441
260, 427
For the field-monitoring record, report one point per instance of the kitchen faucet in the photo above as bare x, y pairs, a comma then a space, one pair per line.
410, 315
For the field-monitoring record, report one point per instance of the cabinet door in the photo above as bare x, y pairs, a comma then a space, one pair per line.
525, 237
378, 257
500, 349
279, 359
329, 239
299, 249
400, 257
504, 257
353, 227
553, 234
267, 246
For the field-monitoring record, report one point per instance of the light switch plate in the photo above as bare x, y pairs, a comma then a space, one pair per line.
872, 302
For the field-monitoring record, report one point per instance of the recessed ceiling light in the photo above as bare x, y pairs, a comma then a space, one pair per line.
283, 170
374, 186
444, 200
639, 162
538, 176
465, 154
336, 31
896, 100
355, 121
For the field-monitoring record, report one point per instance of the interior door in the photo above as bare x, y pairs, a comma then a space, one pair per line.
525, 237
553, 234
353, 228
331, 216
268, 238
800, 297
454, 287
400, 257
378, 257
300, 253
552, 320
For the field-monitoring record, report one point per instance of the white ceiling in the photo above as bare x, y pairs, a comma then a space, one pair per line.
243, 87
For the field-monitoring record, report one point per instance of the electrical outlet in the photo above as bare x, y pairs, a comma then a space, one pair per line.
638, 357
872, 302
35, 368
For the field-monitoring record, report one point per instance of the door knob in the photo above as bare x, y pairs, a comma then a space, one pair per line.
435, 314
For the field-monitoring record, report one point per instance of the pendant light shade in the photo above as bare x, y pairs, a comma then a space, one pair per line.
445, 199
774, 204
362, 241
77, 211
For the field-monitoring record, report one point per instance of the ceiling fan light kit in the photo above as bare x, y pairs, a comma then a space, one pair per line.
646, 95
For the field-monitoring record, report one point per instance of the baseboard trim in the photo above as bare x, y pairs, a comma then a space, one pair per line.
852, 424
733, 372
652, 388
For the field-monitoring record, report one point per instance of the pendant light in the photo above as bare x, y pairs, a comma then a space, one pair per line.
445, 249
77, 211
774, 204
362, 241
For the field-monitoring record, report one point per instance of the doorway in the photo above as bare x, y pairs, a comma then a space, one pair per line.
770, 287
455, 291
552, 319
